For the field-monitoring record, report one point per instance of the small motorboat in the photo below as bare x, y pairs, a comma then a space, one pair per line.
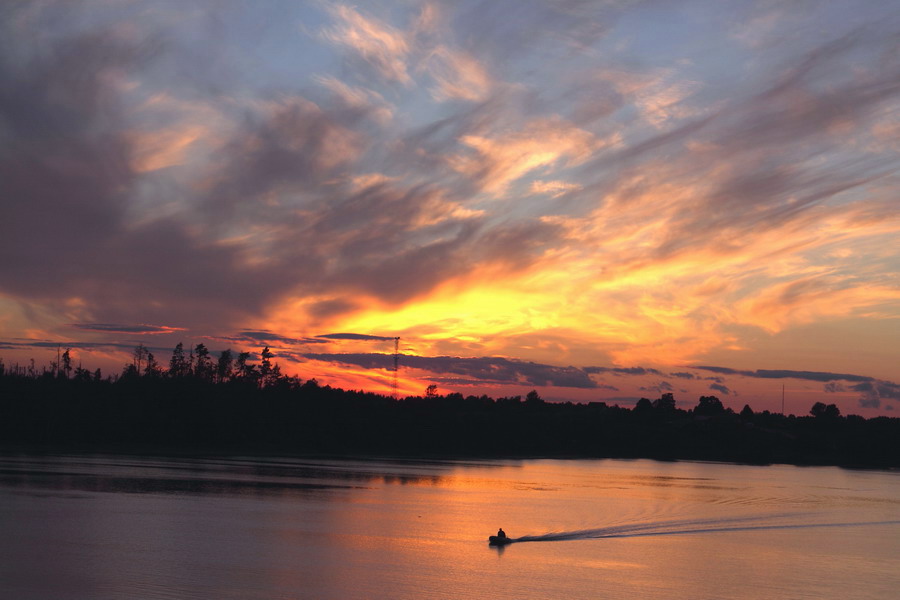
495, 540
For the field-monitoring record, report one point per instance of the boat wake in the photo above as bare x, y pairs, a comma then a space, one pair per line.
694, 526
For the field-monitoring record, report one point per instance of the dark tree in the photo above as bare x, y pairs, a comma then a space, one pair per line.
708, 406
643, 405
666, 402
224, 366
265, 366
533, 397
138, 355
129, 371
67, 363
152, 368
431, 391
747, 412
245, 371
178, 364
821, 411
275, 374
203, 368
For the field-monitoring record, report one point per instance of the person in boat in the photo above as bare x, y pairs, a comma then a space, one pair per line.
501, 534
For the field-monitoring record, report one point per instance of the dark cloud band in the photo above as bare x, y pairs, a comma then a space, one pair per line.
138, 329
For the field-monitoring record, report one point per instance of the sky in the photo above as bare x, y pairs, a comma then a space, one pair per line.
599, 200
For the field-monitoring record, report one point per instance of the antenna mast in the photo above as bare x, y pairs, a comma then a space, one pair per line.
782, 399
396, 366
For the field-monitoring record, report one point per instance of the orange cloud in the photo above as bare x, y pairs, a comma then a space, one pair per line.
457, 75
154, 150
554, 189
498, 161
812, 298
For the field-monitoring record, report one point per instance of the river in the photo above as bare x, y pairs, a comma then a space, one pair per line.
97, 527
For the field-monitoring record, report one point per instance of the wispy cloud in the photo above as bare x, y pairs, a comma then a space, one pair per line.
379, 44
457, 75
498, 161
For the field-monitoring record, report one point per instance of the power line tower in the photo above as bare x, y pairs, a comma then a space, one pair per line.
396, 367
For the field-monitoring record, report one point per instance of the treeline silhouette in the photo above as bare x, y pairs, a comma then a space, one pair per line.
233, 405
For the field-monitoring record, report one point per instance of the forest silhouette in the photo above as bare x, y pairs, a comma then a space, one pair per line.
240, 403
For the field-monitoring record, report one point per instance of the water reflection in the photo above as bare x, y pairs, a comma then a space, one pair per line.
216, 476
79, 527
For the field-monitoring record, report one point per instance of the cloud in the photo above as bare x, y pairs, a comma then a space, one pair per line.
870, 400
324, 310
66, 172
381, 46
289, 142
720, 388
807, 299
787, 374
139, 329
362, 100
683, 375
63, 160
484, 369
272, 338
498, 161
554, 189
354, 336
872, 392
665, 102
872, 389
455, 167
159, 149
20, 344
610, 388
457, 75
623, 370
659, 388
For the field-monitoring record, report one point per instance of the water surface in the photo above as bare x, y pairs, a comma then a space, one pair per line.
112, 527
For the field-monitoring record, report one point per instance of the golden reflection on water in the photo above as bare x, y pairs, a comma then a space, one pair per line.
430, 530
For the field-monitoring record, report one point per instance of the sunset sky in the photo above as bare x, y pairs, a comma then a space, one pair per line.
600, 200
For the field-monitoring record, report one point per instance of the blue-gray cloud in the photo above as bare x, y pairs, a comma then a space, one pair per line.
720, 388
787, 374
683, 375
659, 388
269, 337
483, 369
115, 328
623, 370
355, 336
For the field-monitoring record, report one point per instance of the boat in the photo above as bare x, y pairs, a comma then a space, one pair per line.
499, 541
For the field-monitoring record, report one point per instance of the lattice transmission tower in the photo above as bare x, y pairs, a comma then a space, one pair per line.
396, 367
